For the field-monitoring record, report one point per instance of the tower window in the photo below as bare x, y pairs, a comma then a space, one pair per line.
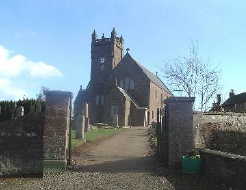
101, 59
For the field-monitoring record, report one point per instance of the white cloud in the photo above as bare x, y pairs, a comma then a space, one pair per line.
15, 65
9, 91
41, 69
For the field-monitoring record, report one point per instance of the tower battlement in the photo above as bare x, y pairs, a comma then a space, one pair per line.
103, 41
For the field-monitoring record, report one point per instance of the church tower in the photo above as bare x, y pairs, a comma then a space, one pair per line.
106, 53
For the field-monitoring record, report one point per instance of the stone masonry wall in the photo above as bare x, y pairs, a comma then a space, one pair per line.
56, 130
21, 146
224, 131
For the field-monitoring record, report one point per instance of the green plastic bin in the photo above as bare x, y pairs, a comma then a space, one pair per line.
191, 165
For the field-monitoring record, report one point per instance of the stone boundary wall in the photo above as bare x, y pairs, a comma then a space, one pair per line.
21, 146
221, 167
37, 140
231, 122
233, 119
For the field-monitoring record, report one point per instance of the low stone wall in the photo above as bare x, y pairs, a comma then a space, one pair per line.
21, 146
221, 167
224, 131
235, 120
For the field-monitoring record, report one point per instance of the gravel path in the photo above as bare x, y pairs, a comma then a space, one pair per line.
121, 162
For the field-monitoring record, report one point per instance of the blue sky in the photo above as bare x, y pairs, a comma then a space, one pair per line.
47, 43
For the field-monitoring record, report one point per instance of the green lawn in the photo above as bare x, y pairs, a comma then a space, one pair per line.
93, 135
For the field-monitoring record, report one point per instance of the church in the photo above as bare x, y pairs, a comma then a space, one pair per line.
121, 91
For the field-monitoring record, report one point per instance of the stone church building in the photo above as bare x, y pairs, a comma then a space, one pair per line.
120, 89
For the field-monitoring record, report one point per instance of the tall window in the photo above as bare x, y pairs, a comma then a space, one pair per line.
122, 84
99, 99
127, 83
131, 84
102, 100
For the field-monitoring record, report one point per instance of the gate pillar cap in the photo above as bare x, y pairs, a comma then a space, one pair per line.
58, 92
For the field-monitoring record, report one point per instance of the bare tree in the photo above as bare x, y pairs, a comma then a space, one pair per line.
41, 94
194, 77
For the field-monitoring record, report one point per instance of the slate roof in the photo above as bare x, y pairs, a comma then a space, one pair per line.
129, 97
152, 77
236, 99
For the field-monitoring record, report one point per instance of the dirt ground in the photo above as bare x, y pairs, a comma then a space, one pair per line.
120, 162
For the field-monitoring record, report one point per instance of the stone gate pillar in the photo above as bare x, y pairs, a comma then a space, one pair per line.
56, 128
180, 128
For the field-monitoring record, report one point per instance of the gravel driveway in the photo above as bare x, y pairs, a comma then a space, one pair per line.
120, 162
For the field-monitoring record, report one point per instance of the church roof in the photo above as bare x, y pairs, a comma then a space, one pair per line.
80, 96
129, 97
152, 77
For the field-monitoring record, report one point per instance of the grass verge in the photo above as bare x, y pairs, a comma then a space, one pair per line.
93, 135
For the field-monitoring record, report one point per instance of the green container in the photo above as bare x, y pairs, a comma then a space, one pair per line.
191, 165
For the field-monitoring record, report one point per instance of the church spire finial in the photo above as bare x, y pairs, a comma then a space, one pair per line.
94, 35
127, 50
113, 33
121, 39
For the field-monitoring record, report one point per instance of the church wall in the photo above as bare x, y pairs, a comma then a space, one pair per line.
115, 98
136, 116
155, 100
141, 82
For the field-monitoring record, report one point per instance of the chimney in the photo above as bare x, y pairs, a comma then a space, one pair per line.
231, 93
218, 99
156, 73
